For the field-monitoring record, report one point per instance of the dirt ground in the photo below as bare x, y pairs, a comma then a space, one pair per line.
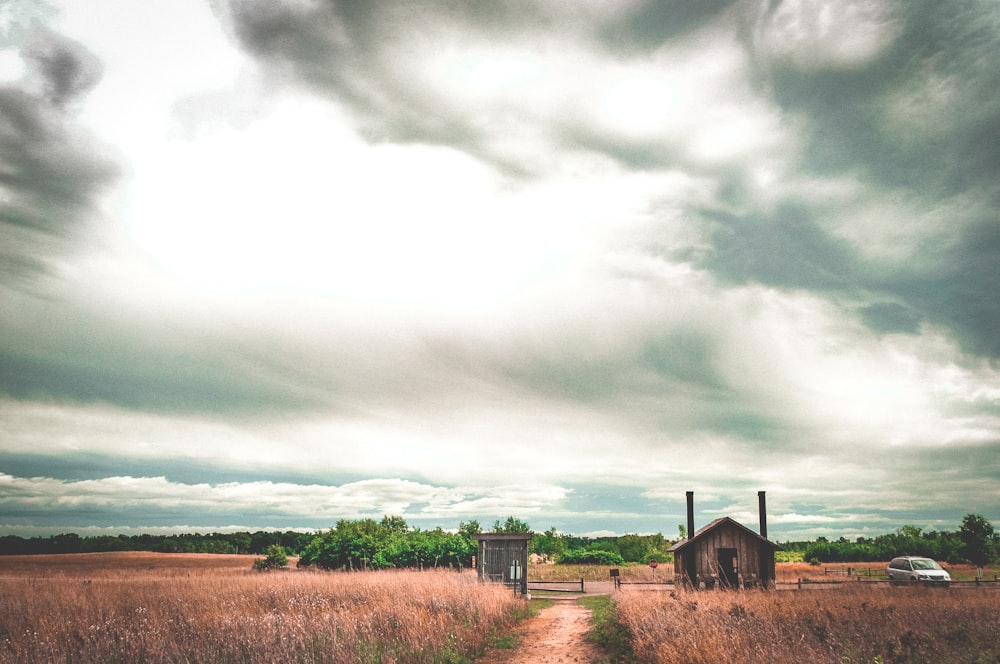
555, 635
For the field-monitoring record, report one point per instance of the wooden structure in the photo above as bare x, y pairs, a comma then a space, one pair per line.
503, 557
725, 554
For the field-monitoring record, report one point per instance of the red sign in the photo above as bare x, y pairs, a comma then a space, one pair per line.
653, 563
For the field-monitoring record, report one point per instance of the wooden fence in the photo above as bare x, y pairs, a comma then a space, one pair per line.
557, 586
807, 584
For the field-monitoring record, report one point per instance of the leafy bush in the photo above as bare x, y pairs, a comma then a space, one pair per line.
590, 557
276, 559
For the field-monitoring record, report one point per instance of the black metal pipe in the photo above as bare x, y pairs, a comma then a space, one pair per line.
762, 507
690, 505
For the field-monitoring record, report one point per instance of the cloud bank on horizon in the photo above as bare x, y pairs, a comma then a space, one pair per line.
276, 263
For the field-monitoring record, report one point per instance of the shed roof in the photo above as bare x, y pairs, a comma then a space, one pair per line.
717, 524
502, 536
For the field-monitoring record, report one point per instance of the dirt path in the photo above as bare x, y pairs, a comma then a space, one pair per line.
555, 635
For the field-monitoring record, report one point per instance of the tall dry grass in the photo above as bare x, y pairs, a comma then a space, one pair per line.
856, 622
162, 608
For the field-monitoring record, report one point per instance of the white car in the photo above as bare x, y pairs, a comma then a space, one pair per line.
914, 568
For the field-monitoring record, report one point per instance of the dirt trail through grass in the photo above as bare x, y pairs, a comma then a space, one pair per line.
556, 634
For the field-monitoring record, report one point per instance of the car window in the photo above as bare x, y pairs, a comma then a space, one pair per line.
925, 564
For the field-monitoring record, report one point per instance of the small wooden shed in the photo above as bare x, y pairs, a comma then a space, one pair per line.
503, 557
725, 554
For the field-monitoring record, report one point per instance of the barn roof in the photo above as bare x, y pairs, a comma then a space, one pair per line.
718, 523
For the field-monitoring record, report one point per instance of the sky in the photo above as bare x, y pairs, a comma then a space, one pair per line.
277, 263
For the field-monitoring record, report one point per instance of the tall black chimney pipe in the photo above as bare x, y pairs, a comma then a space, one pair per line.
690, 501
762, 507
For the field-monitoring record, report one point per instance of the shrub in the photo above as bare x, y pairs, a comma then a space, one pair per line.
276, 559
590, 557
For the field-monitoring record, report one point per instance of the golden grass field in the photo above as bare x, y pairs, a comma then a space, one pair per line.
143, 607
851, 623
147, 607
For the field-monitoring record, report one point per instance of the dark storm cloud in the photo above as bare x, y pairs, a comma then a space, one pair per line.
920, 121
359, 55
890, 317
959, 290
785, 248
950, 44
50, 173
190, 385
347, 49
650, 24
95, 355
67, 70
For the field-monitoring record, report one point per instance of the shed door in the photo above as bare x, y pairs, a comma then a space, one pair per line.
728, 567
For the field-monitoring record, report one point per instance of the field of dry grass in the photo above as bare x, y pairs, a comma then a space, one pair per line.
133, 607
855, 622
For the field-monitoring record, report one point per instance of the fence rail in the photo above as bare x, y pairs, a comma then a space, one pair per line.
800, 584
548, 586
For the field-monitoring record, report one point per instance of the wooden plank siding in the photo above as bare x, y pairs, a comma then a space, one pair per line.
499, 553
699, 555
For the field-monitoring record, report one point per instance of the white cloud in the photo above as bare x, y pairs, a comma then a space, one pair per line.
365, 498
11, 65
818, 34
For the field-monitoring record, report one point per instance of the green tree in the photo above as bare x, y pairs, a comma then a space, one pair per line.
550, 544
469, 529
979, 541
241, 541
642, 548
394, 524
512, 526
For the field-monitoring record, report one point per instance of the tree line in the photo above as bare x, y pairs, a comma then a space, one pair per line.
974, 542
391, 542
236, 542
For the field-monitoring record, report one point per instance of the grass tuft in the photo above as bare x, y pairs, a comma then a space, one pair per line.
608, 632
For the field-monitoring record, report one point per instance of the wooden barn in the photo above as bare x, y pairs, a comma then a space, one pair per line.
503, 557
725, 553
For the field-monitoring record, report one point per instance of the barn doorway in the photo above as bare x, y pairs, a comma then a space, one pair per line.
729, 573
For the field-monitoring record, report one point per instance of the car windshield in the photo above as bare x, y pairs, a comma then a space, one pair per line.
923, 563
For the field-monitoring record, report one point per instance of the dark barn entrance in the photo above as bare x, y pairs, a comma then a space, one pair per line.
729, 569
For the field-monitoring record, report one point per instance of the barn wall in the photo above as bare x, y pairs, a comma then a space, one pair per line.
727, 536
755, 559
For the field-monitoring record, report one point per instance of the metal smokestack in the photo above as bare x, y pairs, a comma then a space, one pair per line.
690, 502
762, 507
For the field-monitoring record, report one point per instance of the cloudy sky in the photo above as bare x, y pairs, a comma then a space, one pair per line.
273, 263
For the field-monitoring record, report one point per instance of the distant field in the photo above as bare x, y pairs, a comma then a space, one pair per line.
143, 607
788, 572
